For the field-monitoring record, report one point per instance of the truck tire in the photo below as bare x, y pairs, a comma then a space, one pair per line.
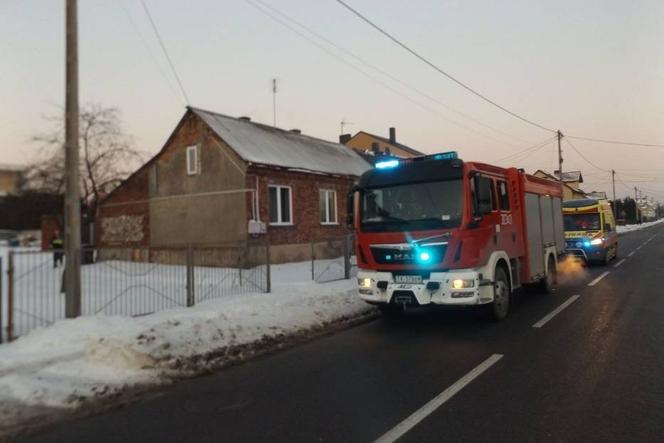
498, 309
548, 283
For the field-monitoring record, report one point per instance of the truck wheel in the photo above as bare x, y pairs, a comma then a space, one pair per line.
551, 280
500, 306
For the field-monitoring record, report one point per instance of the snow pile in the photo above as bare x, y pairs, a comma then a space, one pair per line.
77, 360
630, 228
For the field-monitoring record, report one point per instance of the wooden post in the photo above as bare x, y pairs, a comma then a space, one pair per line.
10, 297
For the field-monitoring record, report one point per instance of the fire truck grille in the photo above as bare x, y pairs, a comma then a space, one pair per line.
423, 255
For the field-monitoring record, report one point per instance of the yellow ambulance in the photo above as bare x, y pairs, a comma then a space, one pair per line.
590, 230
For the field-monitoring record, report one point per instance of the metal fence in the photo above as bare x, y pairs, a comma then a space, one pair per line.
140, 281
333, 259
129, 281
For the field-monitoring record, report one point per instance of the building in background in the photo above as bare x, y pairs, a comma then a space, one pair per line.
370, 144
597, 194
11, 179
223, 180
571, 183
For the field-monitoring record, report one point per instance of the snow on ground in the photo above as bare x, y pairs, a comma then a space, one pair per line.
630, 228
71, 361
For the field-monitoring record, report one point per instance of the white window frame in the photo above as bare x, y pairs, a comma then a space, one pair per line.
290, 205
195, 170
326, 193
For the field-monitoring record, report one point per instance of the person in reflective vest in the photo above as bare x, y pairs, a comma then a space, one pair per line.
57, 244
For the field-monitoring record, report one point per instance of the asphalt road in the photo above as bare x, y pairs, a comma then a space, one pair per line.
593, 372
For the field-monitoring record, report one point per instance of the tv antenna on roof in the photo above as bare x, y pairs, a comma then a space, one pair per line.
274, 102
344, 123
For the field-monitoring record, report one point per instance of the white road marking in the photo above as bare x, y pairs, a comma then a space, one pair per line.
419, 415
556, 311
620, 262
594, 282
631, 253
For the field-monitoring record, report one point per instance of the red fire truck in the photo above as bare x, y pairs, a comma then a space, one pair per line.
435, 230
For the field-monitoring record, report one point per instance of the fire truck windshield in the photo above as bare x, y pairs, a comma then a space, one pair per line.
413, 206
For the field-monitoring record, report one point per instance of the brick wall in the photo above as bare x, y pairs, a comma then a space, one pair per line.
124, 217
306, 211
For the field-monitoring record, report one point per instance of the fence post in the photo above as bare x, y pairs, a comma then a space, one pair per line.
10, 297
313, 260
2, 292
190, 276
268, 275
346, 257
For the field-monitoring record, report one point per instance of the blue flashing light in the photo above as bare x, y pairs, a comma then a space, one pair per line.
388, 257
586, 244
424, 256
452, 155
387, 164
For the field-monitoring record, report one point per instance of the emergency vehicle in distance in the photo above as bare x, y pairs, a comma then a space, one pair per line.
590, 230
437, 230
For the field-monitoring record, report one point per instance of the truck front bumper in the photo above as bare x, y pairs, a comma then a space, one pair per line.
438, 289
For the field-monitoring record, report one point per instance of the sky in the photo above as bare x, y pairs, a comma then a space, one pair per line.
592, 68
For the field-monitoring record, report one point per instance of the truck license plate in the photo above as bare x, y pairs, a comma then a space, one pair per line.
411, 279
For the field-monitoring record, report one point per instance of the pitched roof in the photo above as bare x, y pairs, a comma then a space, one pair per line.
555, 178
395, 143
570, 176
267, 145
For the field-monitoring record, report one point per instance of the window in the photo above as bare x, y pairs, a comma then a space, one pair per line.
192, 160
503, 196
328, 207
582, 222
484, 195
413, 206
281, 205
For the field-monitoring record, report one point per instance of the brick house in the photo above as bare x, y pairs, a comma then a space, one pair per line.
222, 180
366, 143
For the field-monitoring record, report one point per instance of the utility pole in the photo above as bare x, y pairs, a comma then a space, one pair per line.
613, 180
72, 275
274, 101
560, 158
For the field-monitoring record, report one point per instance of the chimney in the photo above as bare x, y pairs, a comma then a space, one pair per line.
295, 131
245, 118
344, 138
393, 135
374, 148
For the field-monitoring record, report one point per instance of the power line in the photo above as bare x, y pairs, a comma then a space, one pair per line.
440, 70
163, 47
384, 72
584, 157
281, 21
530, 150
147, 48
616, 142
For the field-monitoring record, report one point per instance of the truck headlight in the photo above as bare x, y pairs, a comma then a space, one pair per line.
364, 282
596, 241
463, 283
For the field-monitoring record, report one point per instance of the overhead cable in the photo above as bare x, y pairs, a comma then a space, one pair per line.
163, 48
440, 70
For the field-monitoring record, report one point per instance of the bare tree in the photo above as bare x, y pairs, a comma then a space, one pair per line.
107, 154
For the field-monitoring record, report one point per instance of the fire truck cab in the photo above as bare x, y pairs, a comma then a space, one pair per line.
435, 230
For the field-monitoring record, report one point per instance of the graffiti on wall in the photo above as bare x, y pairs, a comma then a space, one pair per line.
123, 228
